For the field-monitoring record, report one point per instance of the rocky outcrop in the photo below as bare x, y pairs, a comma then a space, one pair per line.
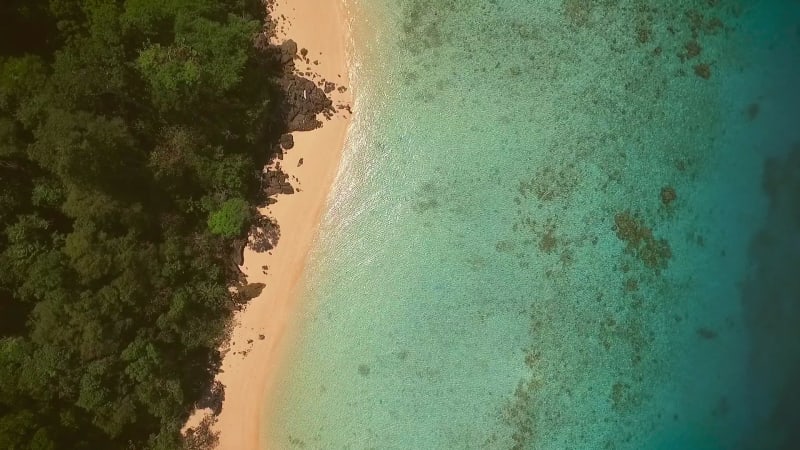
236, 260
277, 182
287, 141
302, 102
237, 251
302, 99
288, 50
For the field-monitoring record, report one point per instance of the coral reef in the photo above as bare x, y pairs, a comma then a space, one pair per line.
703, 71
622, 397
577, 11
548, 241
691, 50
517, 415
706, 333
668, 195
654, 253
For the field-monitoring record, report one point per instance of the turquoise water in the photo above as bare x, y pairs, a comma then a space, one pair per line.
555, 227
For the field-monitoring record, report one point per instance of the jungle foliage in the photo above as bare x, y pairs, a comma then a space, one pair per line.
131, 133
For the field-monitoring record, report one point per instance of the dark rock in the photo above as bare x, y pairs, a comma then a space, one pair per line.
303, 101
288, 51
262, 41
303, 52
304, 123
276, 182
269, 191
250, 291
287, 141
238, 252
300, 163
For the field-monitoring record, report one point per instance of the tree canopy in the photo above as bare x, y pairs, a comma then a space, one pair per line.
131, 135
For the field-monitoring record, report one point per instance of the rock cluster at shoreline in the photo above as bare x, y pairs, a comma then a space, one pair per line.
275, 182
302, 101
303, 98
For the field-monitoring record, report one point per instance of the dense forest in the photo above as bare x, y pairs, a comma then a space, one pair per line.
131, 137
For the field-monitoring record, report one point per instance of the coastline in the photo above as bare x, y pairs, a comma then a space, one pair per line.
263, 332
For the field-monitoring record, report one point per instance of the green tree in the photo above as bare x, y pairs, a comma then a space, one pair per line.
207, 57
129, 135
228, 221
20, 431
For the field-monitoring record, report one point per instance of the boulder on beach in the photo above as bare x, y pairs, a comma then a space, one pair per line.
302, 102
287, 141
288, 50
276, 182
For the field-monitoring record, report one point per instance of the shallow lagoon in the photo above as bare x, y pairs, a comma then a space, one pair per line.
559, 224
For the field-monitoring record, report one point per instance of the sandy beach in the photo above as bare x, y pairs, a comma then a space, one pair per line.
265, 329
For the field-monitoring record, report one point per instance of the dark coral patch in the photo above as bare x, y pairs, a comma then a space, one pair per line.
668, 195
548, 241
691, 50
706, 333
643, 35
703, 71
623, 399
752, 111
654, 253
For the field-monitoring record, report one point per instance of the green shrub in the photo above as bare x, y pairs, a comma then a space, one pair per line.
229, 220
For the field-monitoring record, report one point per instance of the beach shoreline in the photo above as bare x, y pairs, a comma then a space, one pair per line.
265, 330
